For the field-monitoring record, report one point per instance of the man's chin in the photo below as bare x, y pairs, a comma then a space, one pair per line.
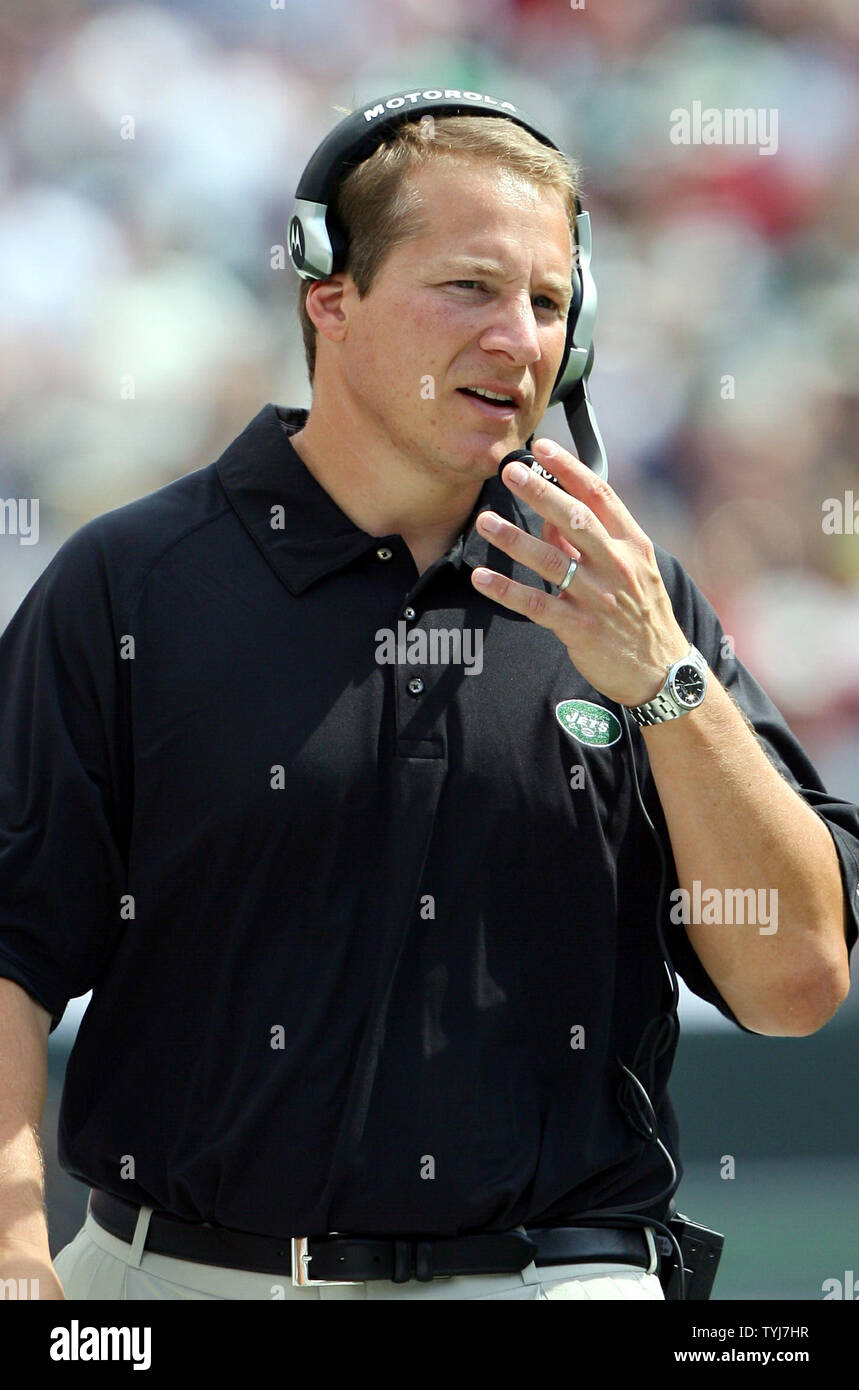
486, 454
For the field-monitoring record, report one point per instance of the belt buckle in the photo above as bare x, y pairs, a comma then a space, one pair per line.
301, 1259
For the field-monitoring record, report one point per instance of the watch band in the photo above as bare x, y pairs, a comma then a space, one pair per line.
665, 706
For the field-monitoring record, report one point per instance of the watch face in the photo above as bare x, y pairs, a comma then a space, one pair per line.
689, 685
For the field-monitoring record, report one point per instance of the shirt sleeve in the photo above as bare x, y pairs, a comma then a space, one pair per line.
702, 626
64, 779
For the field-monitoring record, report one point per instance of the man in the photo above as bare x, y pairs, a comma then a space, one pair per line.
371, 940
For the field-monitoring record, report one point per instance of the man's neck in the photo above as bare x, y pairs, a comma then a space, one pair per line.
386, 498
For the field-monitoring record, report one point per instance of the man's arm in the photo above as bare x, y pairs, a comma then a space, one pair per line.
24, 1249
735, 823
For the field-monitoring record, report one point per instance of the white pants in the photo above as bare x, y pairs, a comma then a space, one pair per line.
97, 1265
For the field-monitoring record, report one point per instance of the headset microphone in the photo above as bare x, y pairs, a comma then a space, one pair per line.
526, 457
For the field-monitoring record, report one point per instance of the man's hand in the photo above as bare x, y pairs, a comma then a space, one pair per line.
733, 821
615, 618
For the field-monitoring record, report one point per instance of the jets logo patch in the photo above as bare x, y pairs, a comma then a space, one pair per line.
590, 724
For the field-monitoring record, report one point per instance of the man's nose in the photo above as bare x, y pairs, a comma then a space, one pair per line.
513, 329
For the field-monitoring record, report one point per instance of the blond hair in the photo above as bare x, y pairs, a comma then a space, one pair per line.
379, 210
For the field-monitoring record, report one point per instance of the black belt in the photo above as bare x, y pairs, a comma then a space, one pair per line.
343, 1258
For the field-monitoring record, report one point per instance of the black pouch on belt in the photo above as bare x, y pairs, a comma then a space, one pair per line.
700, 1249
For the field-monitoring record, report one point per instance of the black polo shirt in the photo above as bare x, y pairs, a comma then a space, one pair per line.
365, 948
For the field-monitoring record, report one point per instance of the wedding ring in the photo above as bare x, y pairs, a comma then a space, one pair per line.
574, 564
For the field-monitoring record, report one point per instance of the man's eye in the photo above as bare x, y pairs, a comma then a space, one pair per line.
468, 284
552, 303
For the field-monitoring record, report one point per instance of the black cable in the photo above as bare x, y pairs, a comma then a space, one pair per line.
658, 1037
661, 1032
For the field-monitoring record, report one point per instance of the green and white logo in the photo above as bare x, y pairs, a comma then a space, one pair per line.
591, 724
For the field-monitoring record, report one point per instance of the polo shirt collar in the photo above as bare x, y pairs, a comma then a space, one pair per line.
261, 470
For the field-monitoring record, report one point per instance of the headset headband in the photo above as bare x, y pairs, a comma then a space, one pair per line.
318, 244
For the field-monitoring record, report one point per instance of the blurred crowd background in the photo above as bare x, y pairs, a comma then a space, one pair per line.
148, 163
149, 159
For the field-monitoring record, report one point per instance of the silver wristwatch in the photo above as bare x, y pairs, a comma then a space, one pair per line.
684, 689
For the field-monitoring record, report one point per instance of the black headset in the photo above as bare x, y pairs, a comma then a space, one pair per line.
318, 243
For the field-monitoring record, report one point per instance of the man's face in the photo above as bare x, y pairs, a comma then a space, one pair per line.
478, 299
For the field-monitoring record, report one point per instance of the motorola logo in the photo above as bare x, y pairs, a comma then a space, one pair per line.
449, 94
296, 242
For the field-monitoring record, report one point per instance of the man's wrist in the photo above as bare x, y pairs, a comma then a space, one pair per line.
683, 690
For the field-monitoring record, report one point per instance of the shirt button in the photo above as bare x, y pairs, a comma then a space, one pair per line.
384, 552
409, 613
415, 686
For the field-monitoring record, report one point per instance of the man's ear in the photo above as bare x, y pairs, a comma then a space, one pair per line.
327, 305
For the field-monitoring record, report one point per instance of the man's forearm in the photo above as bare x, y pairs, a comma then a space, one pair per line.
22, 1193
26, 1267
735, 824
24, 1249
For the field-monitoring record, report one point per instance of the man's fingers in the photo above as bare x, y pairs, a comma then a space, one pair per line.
544, 558
581, 481
572, 517
552, 536
546, 610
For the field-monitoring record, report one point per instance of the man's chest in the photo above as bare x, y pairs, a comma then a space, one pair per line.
255, 707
